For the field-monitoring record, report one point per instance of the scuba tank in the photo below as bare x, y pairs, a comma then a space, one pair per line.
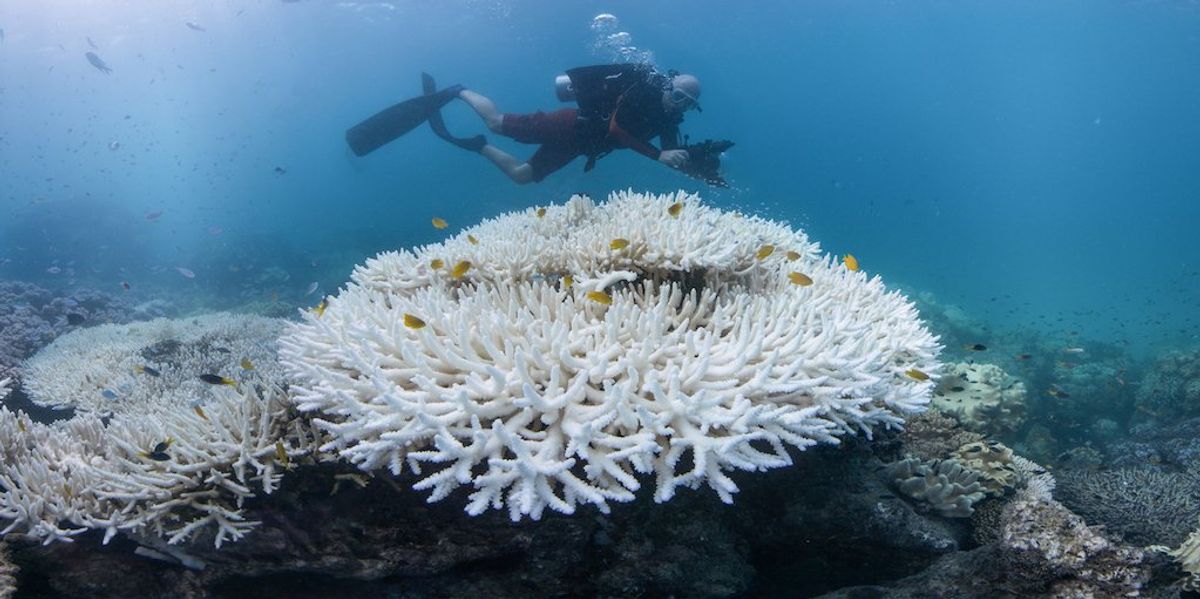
563, 88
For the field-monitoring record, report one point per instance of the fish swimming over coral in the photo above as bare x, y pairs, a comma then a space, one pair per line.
98, 63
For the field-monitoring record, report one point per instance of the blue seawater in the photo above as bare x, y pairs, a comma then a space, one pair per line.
1031, 162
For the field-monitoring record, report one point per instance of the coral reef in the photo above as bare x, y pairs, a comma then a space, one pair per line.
31, 317
1043, 540
932, 435
4, 387
1143, 507
382, 540
1188, 556
156, 471
171, 455
1155, 444
946, 486
556, 356
982, 397
994, 463
1171, 388
103, 369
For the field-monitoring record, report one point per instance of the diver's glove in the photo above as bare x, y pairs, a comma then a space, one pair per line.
673, 158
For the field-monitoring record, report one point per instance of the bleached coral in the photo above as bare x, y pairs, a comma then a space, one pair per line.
159, 470
169, 455
1039, 535
994, 463
1188, 556
4, 383
101, 369
524, 386
982, 397
946, 486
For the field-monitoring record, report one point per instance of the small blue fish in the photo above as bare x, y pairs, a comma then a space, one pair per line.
108, 394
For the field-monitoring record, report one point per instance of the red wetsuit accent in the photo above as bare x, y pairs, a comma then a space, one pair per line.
556, 131
564, 137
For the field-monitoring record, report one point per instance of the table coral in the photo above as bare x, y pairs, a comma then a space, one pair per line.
560, 355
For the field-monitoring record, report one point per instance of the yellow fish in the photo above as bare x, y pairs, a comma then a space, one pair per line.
793, 256
850, 261
765, 251
675, 209
471, 239
799, 278
281, 452
436, 264
413, 322
618, 244
200, 412
439, 223
541, 212
917, 374
247, 364
460, 269
600, 297
568, 281
319, 309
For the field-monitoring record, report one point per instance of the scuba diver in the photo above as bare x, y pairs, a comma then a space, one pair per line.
619, 106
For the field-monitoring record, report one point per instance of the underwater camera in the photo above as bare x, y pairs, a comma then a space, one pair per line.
704, 161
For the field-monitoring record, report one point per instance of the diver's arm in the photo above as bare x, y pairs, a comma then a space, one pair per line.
671, 158
621, 136
670, 138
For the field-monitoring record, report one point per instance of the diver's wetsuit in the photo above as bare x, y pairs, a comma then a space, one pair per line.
620, 106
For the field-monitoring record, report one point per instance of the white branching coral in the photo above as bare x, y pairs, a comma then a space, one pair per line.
169, 455
4, 383
558, 355
160, 471
111, 368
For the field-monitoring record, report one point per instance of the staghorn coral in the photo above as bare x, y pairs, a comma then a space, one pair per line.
684, 354
1142, 506
994, 463
159, 470
170, 455
95, 370
949, 488
982, 397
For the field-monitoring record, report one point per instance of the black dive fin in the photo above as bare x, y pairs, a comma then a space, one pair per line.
390, 123
438, 125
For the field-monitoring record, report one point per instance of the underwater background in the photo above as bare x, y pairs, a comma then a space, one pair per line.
1031, 162
1026, 172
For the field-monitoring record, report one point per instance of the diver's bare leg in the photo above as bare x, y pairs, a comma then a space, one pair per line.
519, 172
485, 108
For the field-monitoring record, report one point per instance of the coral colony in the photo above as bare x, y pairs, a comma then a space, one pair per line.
564, 368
